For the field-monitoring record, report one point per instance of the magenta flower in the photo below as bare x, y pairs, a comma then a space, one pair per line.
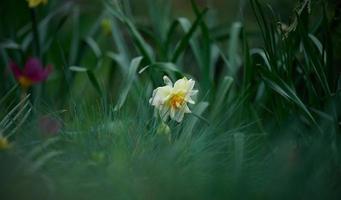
49, 125
32, 73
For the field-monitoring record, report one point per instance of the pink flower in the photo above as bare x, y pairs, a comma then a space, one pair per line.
32, 73
49, 125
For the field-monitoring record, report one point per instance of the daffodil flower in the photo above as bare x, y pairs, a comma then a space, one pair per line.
172, 100
32, 73
35, 3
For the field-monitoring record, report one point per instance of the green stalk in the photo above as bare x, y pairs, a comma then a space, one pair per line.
35, 33
37, 53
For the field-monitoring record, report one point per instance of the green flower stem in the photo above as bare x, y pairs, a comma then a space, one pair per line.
37, 51
35, 33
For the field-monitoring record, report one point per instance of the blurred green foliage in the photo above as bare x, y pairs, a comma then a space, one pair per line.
266, 124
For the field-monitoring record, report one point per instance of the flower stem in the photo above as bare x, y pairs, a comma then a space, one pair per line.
35, 32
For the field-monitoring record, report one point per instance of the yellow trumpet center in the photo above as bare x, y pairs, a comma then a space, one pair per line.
177, 100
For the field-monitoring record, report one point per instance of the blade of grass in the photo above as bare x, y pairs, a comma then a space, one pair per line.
222, 91
93, 80
164, 67
190, 124
93, 46
4, 98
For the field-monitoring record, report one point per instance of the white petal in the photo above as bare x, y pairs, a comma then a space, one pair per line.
160, 95
190, 100
164, 112
181, 84
167, 81
186, 109
191, 84
164, 91
172, 112
153, 95
179, 116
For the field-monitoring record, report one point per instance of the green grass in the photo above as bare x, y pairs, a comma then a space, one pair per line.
266, 123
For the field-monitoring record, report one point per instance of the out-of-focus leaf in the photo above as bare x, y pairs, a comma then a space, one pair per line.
39, 149
233, 54
222, 91
249, 71
93, 46
262, 54
41, 161
165, 67
78, 69
46, 22
282, 88
141, 44
185, 40
135, 63
4, 98
15, 117
120, 59
266, 29
159, 13
116, 10
74, 45
122, 48
239, 151
190, 123
93, 80
10, 44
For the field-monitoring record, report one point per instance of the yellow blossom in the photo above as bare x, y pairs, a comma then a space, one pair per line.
4, 144
106, 26
172, 100
35, 3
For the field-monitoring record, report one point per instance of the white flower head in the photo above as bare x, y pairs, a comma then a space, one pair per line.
171, 100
